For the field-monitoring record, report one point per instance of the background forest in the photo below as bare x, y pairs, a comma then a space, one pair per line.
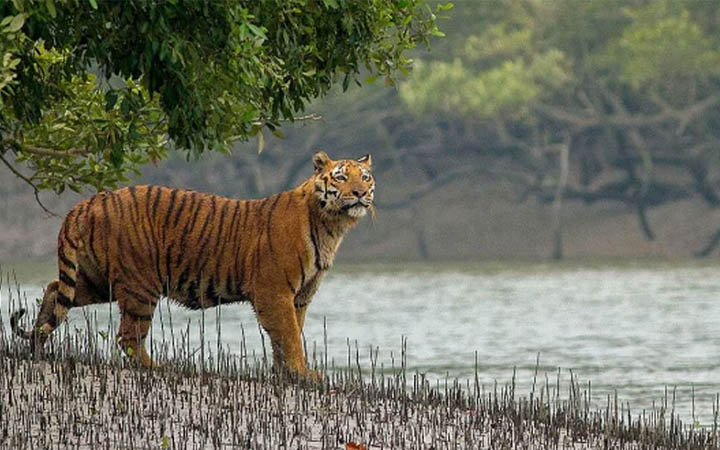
533, 129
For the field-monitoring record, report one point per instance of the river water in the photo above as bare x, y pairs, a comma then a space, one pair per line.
635, 330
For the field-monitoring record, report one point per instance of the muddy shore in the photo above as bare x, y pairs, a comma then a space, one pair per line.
68, 403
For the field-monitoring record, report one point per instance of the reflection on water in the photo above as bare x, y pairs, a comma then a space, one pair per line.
634, 329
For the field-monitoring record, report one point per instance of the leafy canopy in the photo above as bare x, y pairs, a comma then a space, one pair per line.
90, 89
621, 96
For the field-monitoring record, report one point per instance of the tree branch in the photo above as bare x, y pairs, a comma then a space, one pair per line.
43, 151
714, 241
50, 152
442, 180
28, 181
582, 120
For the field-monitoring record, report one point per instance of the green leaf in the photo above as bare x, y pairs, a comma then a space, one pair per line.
371, 79
50, 5
331, 4
93, 3
17, 23
19, 5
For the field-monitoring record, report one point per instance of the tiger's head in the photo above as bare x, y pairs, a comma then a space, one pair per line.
344, 187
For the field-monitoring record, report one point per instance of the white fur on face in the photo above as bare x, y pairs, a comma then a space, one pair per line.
357, 211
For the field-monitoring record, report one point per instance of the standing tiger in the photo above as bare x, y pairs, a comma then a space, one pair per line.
201, 250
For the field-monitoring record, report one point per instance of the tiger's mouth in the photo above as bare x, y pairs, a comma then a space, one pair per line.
356, 208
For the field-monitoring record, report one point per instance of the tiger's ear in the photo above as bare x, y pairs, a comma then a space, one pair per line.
320, 161
367, 160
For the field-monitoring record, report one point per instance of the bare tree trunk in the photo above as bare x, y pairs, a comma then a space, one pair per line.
558, 201
714, 241
419, 228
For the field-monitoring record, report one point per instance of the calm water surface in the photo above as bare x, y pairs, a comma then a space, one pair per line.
634, 329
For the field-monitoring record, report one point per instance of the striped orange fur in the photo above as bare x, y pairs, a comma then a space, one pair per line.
141, 243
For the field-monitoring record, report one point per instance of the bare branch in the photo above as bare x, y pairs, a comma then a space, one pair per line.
28, 181
442, 180
711, 245
582, 120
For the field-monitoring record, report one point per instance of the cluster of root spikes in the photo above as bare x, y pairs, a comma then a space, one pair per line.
84, 394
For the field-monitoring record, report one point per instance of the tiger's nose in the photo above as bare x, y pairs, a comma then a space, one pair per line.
359, 194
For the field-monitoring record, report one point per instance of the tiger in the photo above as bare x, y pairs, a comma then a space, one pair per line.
138, 244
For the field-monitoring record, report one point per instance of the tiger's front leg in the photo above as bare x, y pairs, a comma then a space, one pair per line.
137, 307
276, 314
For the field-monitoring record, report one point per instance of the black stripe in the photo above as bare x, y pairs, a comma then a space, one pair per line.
148, 192
52, 321
231, 244
65, 278
290, 285
180, 209
78, 211
246, 214
206, 240
152, 244
147, 302
133, 197
229, 286
135, 255
223, 214
119, 241
64, 300
65, 260
171, 245
289, 202
170, 209
313, 237
92, 237
146, 298
182, 280
134, 223
240, 257
66, 231
191, 297
256, 260
210, 292
145, 317
148, 246
156, 199
106, 235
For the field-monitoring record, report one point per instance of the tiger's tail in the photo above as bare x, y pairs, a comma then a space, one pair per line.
15, 325
37, 336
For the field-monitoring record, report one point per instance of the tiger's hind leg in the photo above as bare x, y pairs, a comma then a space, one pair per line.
136, 307
86, 293
59, 295
47, 307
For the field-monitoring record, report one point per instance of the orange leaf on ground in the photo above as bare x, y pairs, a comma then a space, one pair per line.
354, 446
